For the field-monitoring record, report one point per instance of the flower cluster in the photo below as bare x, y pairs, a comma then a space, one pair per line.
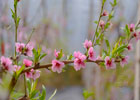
10, 65
57, 65
79, 61
24, 49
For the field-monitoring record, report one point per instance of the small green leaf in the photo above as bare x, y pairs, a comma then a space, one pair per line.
42, 56
20, 70
53, 95
18, 19
127, 30
119, 49
87, 94
43, 95
96, 22
33, 94
28, 85
60, 55
107, 44
70, 57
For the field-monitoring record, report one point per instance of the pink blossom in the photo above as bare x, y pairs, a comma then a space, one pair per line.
57, 66
130, 47
20, 47
105, 13
132, 27
102, 24
56, 53
28, 50
92, 54
16, 68
77, 54
109, 63
137, 35
6, 63
124, 61
27, 63
87, 44
35, 74
79, 61
28, 74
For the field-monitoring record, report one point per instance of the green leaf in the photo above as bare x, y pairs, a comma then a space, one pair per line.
122, 47
13, 14
104, 1
87, 94
115, 2
28, 85
60, 55
96, 22
16, 95
53, 94
127, 30
107, 44
43, 95
20, 70
34, 84
70, 57
18, 19
42, 56
33, 94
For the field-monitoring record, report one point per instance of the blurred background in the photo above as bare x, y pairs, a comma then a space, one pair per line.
65, 24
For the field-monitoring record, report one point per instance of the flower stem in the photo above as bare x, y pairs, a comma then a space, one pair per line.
98, 22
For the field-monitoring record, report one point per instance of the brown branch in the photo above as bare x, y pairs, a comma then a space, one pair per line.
65, 62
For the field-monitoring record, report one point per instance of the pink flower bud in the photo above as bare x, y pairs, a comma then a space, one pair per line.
105, 13
102, 24
132, 27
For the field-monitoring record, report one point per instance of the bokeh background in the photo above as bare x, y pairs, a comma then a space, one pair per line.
65, 24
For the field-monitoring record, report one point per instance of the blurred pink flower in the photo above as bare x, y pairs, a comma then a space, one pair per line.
79, 60
124, 61
102, 24
87, 44
27, 63
57, 66
56, 53
16, 68
130, 47
132, 27
105, 13
6, 63
77, 54
35, 74
20, 47
28, 74
109, 63
28, 50
137, 35
92, 54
